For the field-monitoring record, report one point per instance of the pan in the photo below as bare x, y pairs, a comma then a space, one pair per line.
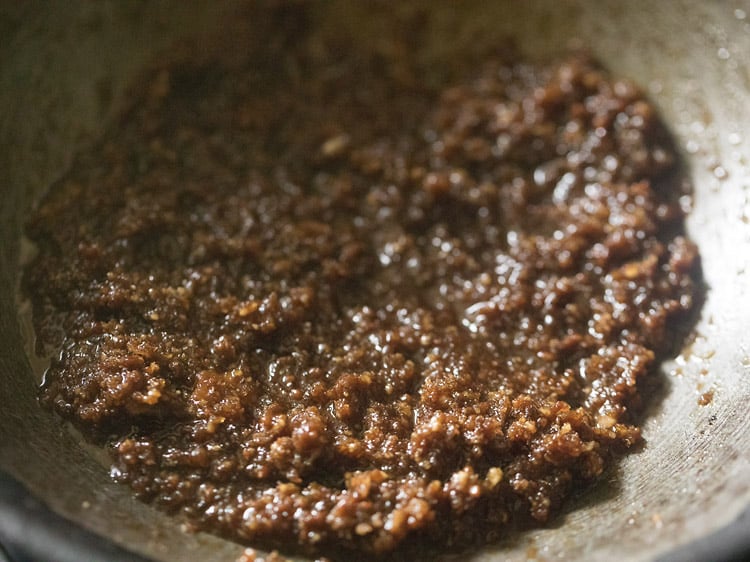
64, 74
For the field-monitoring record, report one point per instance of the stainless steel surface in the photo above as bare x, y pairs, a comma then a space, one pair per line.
63, 73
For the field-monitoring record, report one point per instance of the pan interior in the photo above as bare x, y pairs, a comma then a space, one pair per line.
64, 74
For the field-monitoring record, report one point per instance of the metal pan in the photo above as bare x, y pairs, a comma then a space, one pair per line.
64, 69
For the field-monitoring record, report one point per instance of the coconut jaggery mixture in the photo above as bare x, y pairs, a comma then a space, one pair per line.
332, 303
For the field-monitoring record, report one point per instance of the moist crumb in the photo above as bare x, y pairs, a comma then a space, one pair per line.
706, 398
333, 305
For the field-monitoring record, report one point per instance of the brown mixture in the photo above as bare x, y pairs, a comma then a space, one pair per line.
333, 303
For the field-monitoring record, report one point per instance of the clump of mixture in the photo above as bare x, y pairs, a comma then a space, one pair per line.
326, 301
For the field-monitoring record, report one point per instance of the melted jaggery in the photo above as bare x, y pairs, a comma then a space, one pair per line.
334, 304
